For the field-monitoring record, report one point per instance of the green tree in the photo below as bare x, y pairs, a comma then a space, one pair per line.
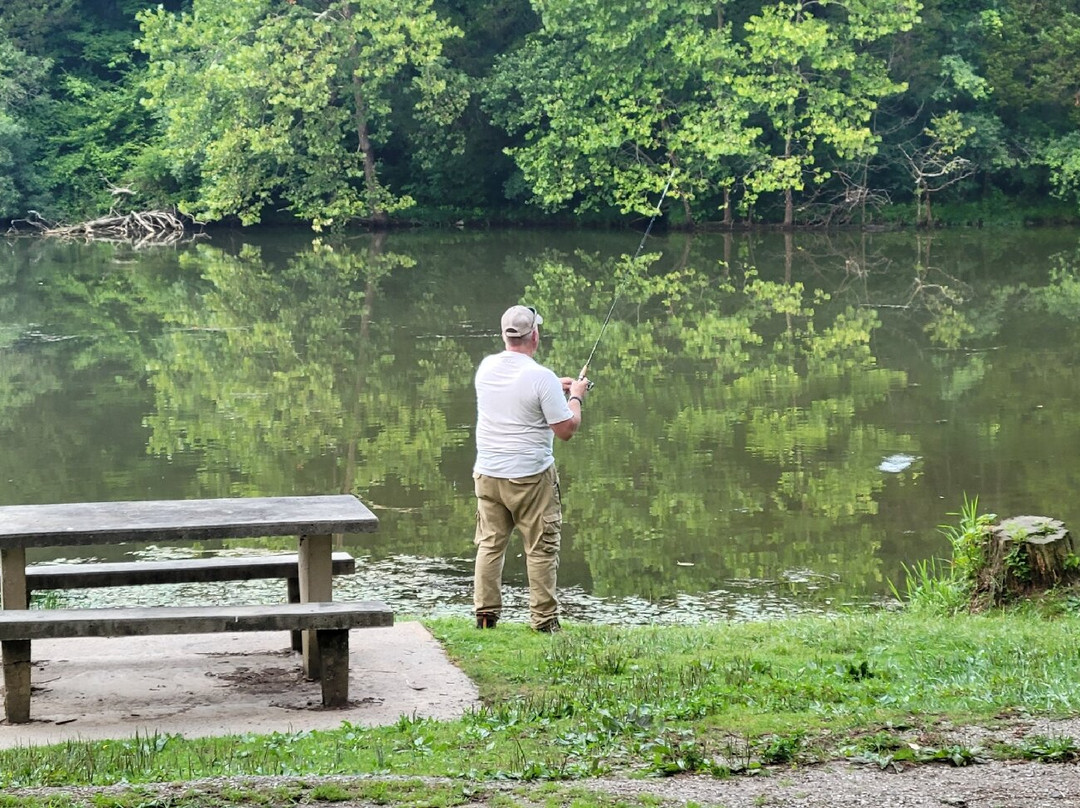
1006, 72
610, 99
462, 172
20, 80
268, 104
87, 124
41, 28
1062, 155
1028, 55
96, 132
813, 78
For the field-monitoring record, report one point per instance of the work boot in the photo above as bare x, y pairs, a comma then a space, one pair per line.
550, 626
486, 619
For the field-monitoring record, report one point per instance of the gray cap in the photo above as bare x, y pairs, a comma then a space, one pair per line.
519, 321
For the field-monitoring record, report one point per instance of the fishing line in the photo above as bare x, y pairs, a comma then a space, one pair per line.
633, 260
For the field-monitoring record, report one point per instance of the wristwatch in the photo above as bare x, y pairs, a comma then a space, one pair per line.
579, 399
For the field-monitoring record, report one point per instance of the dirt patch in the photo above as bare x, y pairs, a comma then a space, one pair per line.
263, 681
226, 684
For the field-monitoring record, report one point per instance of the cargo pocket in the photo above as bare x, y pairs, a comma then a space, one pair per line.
551, 537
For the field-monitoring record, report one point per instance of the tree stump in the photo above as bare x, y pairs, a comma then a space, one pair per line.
1025, 555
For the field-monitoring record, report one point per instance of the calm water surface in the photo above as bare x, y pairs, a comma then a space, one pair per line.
779, 423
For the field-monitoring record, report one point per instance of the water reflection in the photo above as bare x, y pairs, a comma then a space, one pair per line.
778, 425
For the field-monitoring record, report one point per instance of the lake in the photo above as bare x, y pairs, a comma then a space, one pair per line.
780, 423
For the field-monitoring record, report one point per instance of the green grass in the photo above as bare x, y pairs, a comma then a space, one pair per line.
718, 698
803, 672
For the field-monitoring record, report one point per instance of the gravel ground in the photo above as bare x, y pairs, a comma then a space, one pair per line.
840, 785
831, 785
834, 784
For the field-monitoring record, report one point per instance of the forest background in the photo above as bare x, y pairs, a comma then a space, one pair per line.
335, 113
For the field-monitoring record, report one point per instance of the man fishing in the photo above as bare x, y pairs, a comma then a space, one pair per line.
520, 407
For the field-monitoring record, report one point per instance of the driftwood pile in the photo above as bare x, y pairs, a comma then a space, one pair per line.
139, 228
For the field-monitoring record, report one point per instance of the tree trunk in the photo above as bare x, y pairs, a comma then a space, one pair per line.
1025, 555
360, 113
371, 181
688, 213
789, 196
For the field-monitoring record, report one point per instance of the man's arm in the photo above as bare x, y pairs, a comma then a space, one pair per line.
564, 430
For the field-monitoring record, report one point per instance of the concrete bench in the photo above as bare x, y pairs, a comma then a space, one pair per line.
313, 520
330, 622
182, 571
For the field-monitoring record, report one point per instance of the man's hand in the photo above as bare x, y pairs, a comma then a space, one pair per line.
578, 387
575, 390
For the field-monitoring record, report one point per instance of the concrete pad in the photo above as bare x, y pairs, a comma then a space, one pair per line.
225, 684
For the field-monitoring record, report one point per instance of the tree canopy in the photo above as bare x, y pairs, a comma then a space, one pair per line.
263, 105
334, 112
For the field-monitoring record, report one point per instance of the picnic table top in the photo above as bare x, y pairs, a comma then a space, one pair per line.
182, 520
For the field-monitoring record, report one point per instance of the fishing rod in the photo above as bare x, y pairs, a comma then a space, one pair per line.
633, 260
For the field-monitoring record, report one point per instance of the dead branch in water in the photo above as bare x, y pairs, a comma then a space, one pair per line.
33, 223
138, 227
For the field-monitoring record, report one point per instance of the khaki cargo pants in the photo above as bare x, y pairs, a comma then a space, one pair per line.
533, 505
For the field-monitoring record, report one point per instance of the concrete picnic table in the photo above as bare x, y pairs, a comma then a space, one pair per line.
313, 519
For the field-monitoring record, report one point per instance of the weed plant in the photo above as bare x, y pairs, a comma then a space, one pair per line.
937, 586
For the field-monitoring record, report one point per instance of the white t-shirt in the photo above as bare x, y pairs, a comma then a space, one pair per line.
516, 400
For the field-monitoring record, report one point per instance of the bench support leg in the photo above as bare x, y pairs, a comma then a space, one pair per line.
334, 647
292, 590
316, 586
16, 654
13, 578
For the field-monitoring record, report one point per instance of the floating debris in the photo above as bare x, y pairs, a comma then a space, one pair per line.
894, 464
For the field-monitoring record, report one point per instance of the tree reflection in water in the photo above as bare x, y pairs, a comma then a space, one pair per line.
750, 392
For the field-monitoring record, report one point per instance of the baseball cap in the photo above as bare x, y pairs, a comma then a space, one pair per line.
519, 321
